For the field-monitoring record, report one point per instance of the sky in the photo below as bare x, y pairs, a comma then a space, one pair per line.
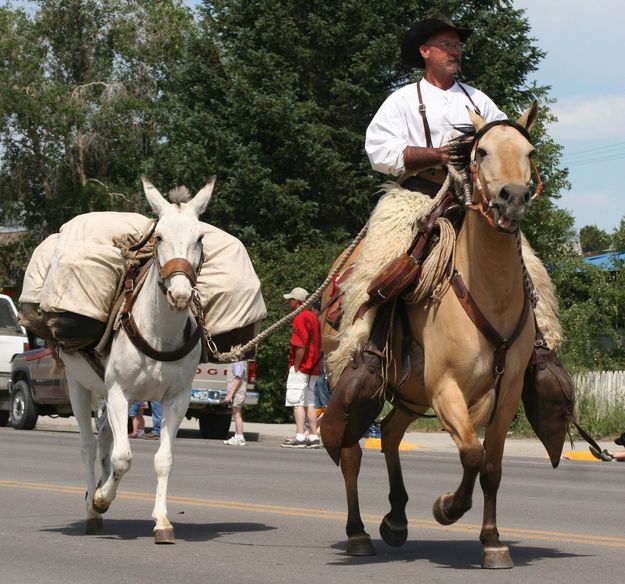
585, 68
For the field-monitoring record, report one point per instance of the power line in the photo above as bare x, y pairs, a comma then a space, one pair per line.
596, 149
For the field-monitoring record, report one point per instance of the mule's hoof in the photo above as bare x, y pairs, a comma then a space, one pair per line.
94, 526
360, 545
393, 533
99, 504
439, 512
496, 558
165, 535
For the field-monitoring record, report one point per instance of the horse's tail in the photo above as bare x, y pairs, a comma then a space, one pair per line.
479, 412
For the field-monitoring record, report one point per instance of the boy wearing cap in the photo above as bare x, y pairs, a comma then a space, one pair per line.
304, 357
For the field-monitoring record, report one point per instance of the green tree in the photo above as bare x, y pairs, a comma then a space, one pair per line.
618, 237
79, 82
591, 238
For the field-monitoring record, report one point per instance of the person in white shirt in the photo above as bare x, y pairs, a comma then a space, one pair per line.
237, 390
409, 133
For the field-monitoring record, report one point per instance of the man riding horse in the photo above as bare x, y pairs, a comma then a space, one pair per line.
408, 138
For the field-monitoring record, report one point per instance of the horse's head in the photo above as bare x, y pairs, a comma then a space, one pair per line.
178, 242
501, 163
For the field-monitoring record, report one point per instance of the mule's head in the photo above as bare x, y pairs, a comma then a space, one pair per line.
178, 242
502, 167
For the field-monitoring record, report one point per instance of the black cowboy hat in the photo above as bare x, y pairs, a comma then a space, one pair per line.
420, 32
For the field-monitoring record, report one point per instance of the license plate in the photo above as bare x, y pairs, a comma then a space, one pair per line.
200, 395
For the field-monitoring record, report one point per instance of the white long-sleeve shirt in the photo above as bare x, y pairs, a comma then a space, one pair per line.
398, 123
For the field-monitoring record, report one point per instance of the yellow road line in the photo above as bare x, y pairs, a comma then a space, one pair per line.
313, 513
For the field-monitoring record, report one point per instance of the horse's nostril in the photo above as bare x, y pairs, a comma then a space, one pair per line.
527, 197
505, 195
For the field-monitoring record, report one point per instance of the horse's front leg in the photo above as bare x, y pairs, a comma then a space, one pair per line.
80, 398
121, 456
494, 553
173, 413
358, 540
394, 526
452, 412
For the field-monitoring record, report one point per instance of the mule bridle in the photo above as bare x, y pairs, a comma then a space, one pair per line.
484, 206
133, 283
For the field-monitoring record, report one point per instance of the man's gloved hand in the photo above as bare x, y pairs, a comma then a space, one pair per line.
418, 158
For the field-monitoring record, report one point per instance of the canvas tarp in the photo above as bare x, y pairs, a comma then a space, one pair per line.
80, 269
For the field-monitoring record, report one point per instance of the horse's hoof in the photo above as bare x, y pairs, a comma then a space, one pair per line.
360, 545
439, 511
94, 526
496, 558
393, 533
165, 535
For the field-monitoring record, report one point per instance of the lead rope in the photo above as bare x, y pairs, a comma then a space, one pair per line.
238, 352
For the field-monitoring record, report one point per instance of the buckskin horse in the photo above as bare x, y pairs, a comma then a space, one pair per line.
469, 350
153, 356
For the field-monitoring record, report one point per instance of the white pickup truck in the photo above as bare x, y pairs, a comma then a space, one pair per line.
13, 340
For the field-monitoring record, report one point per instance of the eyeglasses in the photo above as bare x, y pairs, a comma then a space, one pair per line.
447, 46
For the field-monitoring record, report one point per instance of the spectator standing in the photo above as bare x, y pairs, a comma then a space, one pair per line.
157, 416
304, 358
138, 423
322, 389
237, 390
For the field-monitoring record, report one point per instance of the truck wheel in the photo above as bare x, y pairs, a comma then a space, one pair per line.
23, 412
4, 418
214, 426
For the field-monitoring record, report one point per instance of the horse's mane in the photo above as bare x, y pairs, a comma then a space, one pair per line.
461, 145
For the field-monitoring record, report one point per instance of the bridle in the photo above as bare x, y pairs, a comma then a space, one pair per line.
485, 205
133, 283
175, 266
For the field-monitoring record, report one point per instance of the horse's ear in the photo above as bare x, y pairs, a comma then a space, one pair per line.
477, 120
156, 200
200, 201
528, 117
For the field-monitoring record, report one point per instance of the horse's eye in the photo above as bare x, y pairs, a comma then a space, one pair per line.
199, 239
158, 238
531, 154
481, 152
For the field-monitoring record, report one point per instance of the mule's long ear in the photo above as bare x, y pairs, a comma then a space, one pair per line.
528, 117
156, 200
477, 120
200, 201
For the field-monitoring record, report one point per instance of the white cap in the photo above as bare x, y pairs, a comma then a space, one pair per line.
297, 294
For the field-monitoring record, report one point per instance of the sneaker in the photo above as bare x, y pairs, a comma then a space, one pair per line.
234, 441
150, 436
293, 443
313, 444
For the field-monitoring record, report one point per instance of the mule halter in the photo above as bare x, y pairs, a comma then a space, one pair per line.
485, 205
177, 266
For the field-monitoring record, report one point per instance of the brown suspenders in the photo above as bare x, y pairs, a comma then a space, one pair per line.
426, 126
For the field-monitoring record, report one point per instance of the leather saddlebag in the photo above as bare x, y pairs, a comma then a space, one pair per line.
549, 400
391, 281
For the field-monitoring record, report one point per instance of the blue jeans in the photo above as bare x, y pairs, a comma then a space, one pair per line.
157, 416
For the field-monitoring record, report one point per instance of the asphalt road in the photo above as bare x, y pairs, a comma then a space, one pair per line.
262, 514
